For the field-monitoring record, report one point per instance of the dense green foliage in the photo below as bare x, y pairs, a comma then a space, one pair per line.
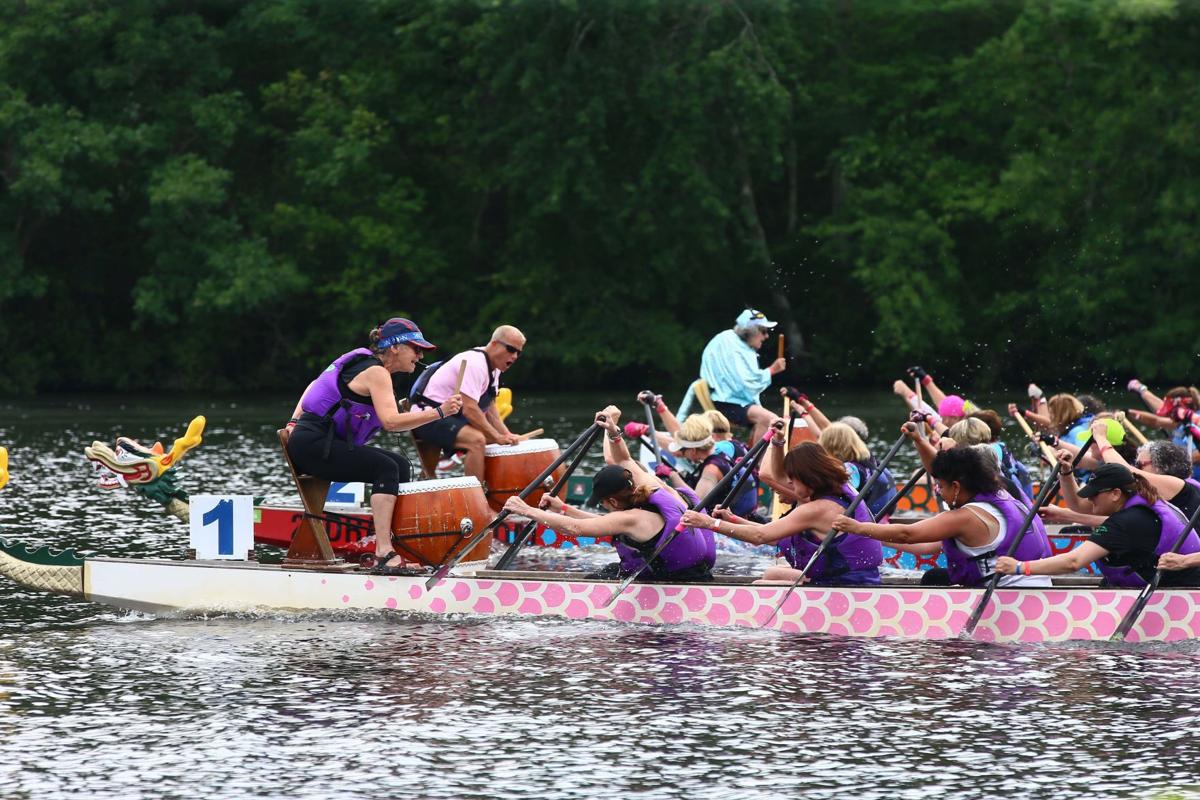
227, 194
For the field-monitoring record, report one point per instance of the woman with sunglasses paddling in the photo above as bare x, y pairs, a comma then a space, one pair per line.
479, 423
983, 521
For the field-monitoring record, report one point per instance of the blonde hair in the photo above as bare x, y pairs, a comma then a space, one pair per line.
696, 428
1064, 409
970, 430
843, 443
718, 421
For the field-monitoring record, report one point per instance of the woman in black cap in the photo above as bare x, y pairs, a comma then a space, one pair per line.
344, 407
1138, 528
642, 510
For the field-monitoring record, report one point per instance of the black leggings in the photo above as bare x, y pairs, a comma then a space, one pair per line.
383, 469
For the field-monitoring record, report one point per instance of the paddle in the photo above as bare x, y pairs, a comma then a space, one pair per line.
1136, 609
750, 461
900, 495
1129, 426
1044, 448
1048, 489
462, 370
833, 536
527, 532
646, 398
777, 501
448, 562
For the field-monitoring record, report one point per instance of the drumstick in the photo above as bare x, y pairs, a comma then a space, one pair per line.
779, 352
532, 434
462, 370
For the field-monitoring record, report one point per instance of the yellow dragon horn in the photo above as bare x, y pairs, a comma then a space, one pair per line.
189, 441
3, 467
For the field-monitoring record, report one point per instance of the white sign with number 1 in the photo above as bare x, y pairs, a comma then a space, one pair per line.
221, 526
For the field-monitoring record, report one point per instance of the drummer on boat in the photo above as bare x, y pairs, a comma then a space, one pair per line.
729, 365
641, 510
344, 407
1135, 533
818, 485
983, 521
478, 424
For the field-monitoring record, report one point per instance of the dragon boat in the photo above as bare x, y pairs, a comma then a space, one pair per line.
1073, 609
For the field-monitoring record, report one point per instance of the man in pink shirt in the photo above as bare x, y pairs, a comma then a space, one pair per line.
478, 424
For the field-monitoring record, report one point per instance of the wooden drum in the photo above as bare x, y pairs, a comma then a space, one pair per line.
508, 469
430, 517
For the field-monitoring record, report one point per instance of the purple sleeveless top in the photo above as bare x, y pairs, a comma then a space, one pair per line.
1173, 524
966, 570
849, 559
353, 421
690, 549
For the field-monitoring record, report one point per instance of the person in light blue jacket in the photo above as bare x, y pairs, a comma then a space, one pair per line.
729, 365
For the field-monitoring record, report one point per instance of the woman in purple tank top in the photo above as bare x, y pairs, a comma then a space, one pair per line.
818, 483
983, 522
641, 510
345, 405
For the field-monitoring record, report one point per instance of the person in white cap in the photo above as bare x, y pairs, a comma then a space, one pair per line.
729, 365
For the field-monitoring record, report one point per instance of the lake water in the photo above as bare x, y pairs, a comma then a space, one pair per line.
99, 703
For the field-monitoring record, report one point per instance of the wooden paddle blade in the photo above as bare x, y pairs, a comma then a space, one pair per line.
3, 467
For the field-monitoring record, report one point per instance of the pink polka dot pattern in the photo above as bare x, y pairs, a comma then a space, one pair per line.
1030, 615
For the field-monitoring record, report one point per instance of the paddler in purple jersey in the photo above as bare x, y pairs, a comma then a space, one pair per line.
819, 486
344, 407
983, 522
642, 509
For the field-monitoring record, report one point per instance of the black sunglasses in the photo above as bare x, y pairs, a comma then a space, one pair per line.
516, 351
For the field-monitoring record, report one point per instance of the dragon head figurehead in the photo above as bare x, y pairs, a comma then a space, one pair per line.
149, 471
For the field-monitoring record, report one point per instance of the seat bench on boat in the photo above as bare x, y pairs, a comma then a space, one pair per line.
310, 548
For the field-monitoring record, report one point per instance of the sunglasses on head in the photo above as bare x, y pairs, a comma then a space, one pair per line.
516, 351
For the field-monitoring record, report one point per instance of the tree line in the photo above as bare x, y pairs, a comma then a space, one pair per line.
227, 194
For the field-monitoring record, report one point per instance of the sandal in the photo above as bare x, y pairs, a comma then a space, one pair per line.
381, 567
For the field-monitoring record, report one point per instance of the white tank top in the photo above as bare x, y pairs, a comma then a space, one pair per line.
989, 514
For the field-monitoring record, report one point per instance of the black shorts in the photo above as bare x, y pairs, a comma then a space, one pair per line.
383, 469
442, 432
734, 413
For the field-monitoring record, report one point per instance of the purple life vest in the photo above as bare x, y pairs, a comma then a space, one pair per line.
1172, 524
849, 559
968, 570
690, 550
352, 420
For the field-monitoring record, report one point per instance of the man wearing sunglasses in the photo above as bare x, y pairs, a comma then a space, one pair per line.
730, 367
479, 423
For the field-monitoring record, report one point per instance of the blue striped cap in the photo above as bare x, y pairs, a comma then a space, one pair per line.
398, 330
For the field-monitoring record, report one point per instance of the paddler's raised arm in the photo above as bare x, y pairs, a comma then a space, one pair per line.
771, 472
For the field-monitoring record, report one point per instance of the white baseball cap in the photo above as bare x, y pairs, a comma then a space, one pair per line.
752, 316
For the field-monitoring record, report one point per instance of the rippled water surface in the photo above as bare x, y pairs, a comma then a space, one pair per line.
97, 703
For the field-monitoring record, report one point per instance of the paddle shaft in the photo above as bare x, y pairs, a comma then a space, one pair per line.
751, 459
1047, 453
1048, 489
1136, 609
448, 562
653, 433
527, 532
904, 490
832, 535
1129, 426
